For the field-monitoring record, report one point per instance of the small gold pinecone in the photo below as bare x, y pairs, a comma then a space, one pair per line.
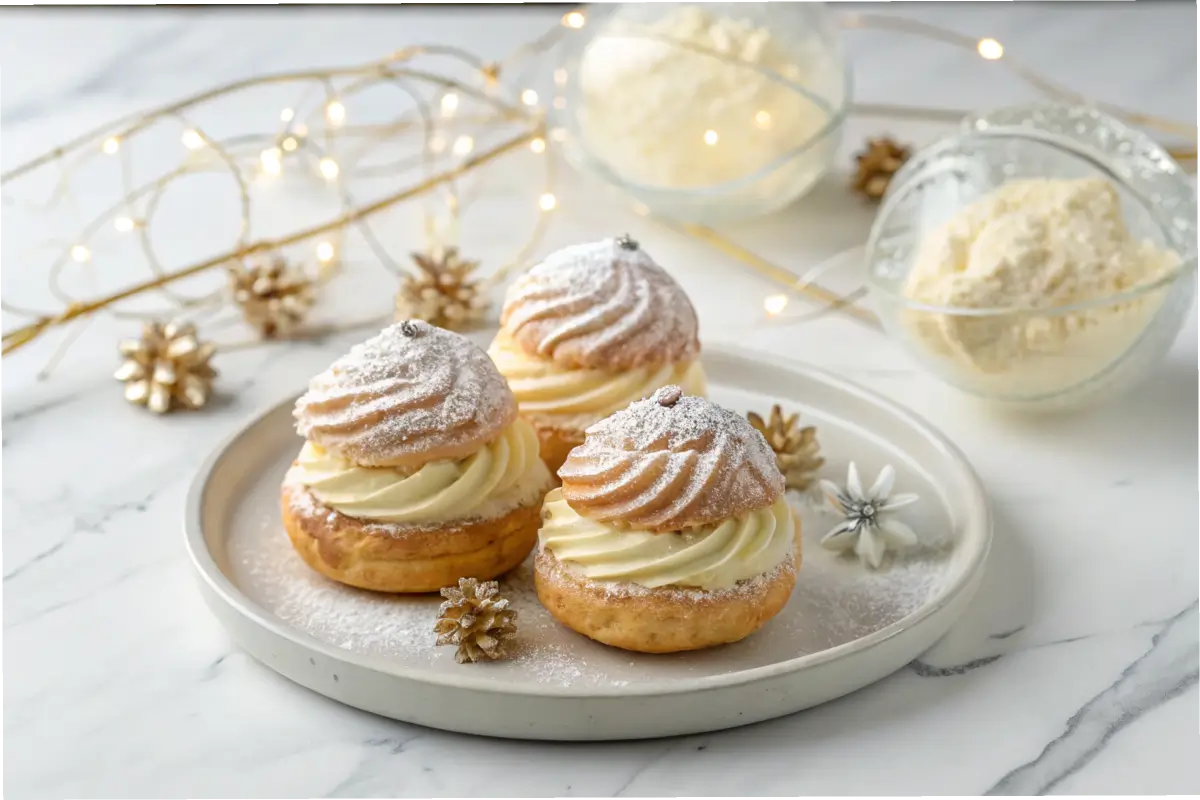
876, 165
442, 291
797, 452
274, 296
476, 619
167, 368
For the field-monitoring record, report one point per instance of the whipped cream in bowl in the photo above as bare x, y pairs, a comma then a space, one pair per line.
1025, 263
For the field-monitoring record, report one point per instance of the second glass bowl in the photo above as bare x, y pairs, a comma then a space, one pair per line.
1068, 354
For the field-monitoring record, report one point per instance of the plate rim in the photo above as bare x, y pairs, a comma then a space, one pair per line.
222, 587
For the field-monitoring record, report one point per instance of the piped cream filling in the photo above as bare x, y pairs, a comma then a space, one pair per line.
544, 388
711, 557
503, 475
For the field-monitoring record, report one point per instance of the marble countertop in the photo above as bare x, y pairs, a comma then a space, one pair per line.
1074, 670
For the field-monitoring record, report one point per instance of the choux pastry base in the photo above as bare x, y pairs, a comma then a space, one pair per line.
419, 560
659, 620
555, 443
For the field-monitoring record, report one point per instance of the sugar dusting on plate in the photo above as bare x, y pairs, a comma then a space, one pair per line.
835, 602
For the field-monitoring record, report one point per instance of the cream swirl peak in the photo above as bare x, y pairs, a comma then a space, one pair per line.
669, 463
604, 305
412, 394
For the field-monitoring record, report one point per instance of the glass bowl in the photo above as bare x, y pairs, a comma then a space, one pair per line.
704, 112
1031, 357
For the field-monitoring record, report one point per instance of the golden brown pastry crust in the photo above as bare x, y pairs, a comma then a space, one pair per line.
418, 560
555, 442
664, 620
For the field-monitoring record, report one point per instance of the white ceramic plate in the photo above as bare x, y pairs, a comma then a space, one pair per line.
845, 626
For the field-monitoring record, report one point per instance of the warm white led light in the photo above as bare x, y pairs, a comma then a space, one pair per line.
335, 112
269, 159
710, 137
547, 202
775, 304
538, 145
287, 115
112, 145
529, 97
574, 19
449, 104
990, 49
463, 145
763, 119
329, 168
192, 140
325, 252
80, 253
289, 143
123, 224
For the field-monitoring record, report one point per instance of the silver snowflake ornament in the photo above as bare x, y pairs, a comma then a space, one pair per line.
869, 527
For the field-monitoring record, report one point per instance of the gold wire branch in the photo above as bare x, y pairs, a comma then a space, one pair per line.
231, 155
27, 333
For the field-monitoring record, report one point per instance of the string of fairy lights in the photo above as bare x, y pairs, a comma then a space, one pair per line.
449, 132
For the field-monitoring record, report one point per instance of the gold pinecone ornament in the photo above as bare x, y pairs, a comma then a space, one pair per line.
797, 452
167, 368
876, 166
476, 619
274, 296
442, 291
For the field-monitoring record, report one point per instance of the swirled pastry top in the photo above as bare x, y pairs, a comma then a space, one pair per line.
669, 463
413, 394
602, 305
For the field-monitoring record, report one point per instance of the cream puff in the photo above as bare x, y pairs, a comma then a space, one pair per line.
588, 331
416, 470
670, 531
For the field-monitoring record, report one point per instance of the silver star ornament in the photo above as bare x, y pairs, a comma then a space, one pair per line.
869, 528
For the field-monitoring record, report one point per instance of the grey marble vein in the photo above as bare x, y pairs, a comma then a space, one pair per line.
33, 410
112, 74
1008, 633
1166, 670
350, 785
118, 579
929, 671
663, 752
42, 556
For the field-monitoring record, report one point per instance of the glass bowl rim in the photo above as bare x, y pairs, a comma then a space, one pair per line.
1186, 265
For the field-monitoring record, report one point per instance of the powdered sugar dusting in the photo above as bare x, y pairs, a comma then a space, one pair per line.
834, 602
411, 394
602, 305
671, 462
